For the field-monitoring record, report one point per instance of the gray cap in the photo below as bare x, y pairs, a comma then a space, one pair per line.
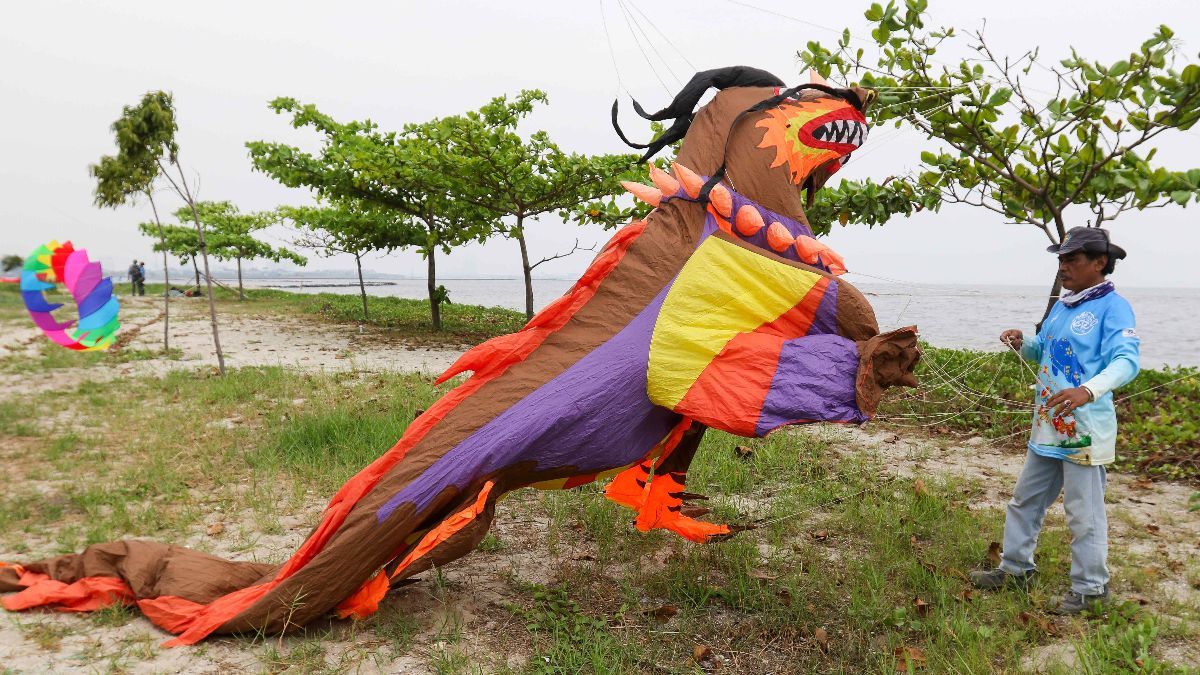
1090, 239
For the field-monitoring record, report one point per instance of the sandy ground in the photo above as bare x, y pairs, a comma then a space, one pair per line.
1150, 523
245, 341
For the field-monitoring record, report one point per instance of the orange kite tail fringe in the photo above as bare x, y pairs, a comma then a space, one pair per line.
85, 595
193, 621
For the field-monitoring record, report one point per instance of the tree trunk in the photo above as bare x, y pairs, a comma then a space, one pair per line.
162, 237
431, 281
212, 306
1054, 292
361, 286
196, 270
526, 270
241, 293
1061, 226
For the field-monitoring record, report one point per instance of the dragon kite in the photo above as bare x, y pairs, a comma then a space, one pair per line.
719, 309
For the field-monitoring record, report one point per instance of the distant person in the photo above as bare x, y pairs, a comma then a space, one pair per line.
1087, 347
135, 277
142, 278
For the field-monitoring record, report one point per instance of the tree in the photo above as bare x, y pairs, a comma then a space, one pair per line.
342, 227
176, 240
146, 146
231, 236
11, 262
402, 171
519, 180
1046, 159
123, 177
619, 209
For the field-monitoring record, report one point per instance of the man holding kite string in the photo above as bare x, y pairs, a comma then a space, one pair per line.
1086, 348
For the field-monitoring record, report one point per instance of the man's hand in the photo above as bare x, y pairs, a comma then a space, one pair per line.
1013, 337
1067, 400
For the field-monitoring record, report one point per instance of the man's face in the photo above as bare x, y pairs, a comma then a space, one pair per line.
1078, 272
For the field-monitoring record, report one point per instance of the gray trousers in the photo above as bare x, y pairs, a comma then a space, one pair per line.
1083, 499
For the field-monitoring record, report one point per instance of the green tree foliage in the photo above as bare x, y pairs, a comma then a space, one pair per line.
179, 241
11, 262
131, 173
344, 227
518, 179
230, 236
1051, 159
619, 209
399, 170
145, 135
865, 202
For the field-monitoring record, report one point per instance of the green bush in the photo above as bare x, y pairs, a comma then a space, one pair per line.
989, 394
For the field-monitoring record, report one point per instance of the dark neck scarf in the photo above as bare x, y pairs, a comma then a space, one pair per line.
1072, 299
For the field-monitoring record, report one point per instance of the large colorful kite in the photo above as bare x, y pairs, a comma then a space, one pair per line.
719, 310
92, 292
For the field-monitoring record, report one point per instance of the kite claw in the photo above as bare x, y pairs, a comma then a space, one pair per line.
628, 488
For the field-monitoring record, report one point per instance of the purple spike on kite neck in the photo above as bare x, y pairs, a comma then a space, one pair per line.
795, 227
759, 239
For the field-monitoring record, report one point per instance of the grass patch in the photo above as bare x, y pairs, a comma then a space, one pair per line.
975, 393
847, 565
18, 417
12, 306
116, 614
46, 635
1121, 642
569, 640
329, 443
52, 356
848, 571
461, 324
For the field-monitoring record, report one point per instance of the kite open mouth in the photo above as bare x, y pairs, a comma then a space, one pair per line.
843, 130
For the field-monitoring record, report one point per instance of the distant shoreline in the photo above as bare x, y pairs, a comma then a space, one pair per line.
394, 280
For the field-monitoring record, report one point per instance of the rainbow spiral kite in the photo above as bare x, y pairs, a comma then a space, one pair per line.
93, 294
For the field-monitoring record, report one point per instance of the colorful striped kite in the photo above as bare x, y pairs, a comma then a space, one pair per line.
719, 309
97, 307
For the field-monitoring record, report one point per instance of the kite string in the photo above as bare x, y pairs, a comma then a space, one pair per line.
1157, 386
957, 378
952, 380
612, 53
662, 35
645, 56
972, 403
646, 36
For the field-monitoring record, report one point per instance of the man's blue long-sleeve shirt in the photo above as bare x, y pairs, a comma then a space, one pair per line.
1093, 344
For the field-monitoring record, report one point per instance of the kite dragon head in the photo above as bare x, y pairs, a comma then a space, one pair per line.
769, 142
814, 134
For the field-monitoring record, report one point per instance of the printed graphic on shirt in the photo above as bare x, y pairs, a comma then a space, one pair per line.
1129, 333
1063, 372
1084, 323
1063, 361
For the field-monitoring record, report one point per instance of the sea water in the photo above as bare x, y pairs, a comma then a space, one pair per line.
947, 315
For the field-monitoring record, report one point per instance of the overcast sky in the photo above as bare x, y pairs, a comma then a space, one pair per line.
69, 67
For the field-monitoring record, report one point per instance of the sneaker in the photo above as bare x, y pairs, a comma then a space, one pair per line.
991, 580
1076, 603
